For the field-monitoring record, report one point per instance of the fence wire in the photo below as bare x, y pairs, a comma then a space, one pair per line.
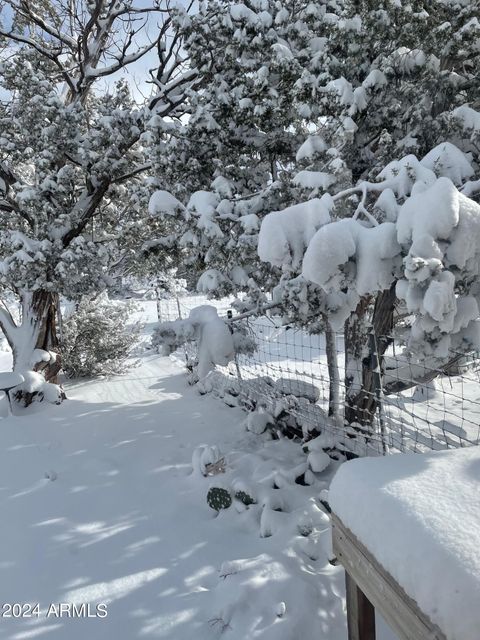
290, 365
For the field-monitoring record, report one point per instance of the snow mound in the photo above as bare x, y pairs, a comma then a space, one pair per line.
261, 597
469, 118
34, 382
312, 146
203, 457
448, 161
334, 246
257, 422
313, 179
318, 461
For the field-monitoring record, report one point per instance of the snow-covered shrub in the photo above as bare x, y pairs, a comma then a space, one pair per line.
217, 342
97, 338
169, 336
243, 341
258, 421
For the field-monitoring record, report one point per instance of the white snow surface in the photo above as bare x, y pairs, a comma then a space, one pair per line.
449, 161
163, 203
312, 146
100, 504
422, 526
284, 235
313, 179
336, 243
469, 118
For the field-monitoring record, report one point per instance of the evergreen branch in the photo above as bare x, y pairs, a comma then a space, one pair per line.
133, 173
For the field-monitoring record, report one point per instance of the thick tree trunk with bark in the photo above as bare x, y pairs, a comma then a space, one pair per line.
46, 308
37, 329
365, 344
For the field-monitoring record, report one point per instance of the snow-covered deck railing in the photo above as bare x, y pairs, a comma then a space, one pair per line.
406, 528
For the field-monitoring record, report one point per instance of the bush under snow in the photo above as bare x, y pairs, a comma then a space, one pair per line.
217, 342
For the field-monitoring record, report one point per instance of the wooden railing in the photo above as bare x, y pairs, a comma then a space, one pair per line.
370, 587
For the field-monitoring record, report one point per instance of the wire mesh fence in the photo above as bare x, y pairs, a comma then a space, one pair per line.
418, 406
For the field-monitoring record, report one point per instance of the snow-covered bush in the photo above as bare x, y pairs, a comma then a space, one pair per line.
217, 342
97, 338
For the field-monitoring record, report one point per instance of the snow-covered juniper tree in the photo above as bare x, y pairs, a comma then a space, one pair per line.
358, 76
369, 82
98, 336
233, 159
72, 146
397, 79
425, 255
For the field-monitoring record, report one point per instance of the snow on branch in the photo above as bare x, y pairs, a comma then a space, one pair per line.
422, 233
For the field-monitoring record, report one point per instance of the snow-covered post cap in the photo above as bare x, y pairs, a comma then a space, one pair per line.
9, 380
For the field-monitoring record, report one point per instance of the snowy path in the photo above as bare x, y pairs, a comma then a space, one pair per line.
108, 528
98, 505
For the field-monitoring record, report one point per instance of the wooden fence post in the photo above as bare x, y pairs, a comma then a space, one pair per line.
360, 612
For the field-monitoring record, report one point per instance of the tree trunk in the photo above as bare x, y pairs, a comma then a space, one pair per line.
365, 345
356, 350
46, 307
37, 330
333, 372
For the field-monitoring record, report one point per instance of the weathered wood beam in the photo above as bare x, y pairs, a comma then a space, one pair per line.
360, 612
398, 609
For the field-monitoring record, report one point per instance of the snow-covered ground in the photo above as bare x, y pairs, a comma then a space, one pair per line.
100, 506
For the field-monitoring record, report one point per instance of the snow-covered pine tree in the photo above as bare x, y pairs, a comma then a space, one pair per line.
71, 148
